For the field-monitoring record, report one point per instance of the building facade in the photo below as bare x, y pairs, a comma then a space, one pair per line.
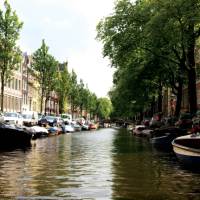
22, 92
12, 92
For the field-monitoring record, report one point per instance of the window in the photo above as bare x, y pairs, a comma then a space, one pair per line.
19, 85
16, 84
13, 84
9, 83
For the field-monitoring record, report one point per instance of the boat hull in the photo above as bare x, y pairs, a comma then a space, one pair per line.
187, 155
162, 142
10, 137
187, 158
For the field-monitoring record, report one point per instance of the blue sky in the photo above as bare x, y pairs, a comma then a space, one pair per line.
69, 29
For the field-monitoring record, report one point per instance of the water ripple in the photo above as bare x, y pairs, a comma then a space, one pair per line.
104, 164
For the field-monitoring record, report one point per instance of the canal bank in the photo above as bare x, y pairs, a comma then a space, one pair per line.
102, 164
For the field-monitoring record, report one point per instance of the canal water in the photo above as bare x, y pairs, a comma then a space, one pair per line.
102, 164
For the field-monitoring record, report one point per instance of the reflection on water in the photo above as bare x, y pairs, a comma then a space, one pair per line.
103, 164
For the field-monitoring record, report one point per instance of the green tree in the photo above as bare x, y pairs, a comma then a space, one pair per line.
82, 96
152, 36
73, 93
10, 54
63, 86
92, 103
51, 80
86, 100
104, 108
46, 66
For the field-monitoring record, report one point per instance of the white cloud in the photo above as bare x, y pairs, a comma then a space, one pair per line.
62, 24
96, 71
68, 27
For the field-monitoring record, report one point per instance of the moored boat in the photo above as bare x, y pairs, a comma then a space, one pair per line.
92, 126
163, 137
137, 130
187, 149
38, 132
68, 128
13, 136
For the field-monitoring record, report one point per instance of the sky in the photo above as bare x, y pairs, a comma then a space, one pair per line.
69, 29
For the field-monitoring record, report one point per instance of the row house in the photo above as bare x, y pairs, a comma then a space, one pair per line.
185, 104
52, 104
22, 91
30, 87
12, 92
169, 100
31, 91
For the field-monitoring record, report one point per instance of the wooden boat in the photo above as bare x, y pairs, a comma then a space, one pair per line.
187, 149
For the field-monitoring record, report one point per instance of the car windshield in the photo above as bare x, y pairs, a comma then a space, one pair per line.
10, 114
65, 116
27, 116
50, 117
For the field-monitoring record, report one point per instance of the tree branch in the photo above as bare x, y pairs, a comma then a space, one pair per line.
161, 56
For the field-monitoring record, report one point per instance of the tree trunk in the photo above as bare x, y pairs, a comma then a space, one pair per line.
192, 94
2, 92
41, 101
61, 105
160, 99
192, 91
72, 110
152, 107
81, 110
141, 116
179, 98
45, 105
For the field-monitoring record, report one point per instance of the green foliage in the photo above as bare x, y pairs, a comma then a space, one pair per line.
10, 54
92, 104
104, 108
151, 44
47, 68
63, 86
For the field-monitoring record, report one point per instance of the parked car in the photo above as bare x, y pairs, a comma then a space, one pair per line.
30, 118
59, 121
13, 118
49, 120
68, 128
76, 126
67, 118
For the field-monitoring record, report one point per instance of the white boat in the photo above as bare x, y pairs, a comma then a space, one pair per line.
69, 129
38, 131
137, 130
187, 149
76, 126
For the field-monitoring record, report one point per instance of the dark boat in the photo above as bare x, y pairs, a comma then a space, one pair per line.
163, 137
187, 149
13, 136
